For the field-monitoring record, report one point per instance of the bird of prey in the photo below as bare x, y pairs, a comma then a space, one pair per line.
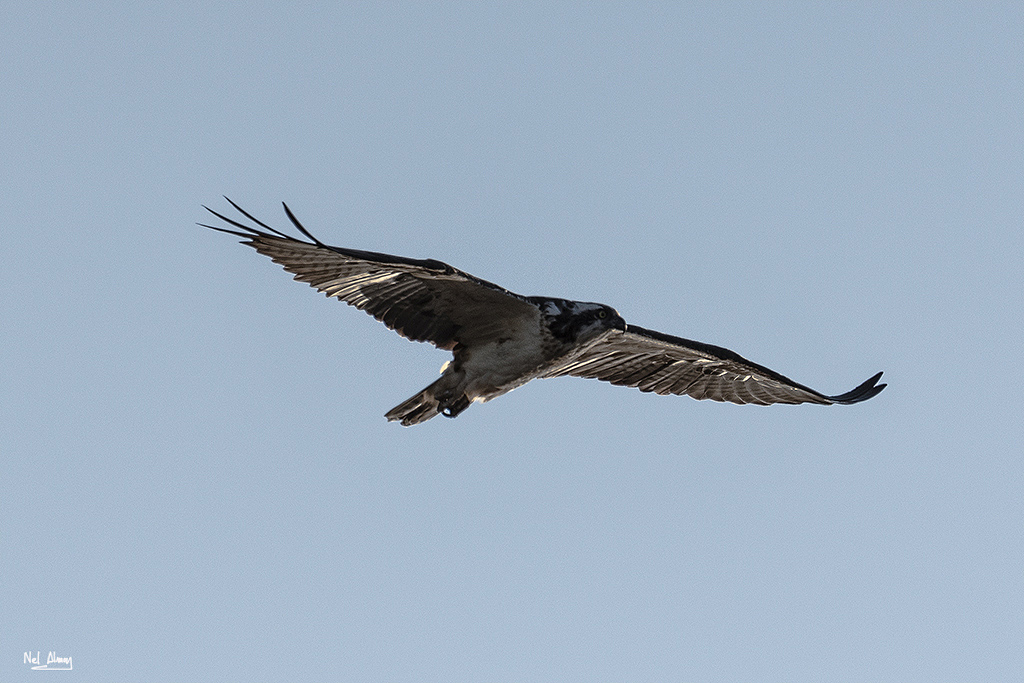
501, 340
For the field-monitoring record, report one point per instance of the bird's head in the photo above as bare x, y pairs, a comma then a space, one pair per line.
580, 322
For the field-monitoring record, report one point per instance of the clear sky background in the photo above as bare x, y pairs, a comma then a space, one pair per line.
197, 479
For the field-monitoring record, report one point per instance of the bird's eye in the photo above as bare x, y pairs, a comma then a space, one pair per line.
602, 314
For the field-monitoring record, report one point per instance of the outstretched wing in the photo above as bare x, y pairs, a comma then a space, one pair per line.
422, 300
652, 361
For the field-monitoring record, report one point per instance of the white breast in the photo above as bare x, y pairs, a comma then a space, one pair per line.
514, 358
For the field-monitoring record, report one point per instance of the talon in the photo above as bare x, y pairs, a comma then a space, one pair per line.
450, 408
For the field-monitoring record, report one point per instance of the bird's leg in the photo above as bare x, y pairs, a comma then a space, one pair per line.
450, 407
450, 392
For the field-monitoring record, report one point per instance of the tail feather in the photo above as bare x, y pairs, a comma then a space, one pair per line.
438, 398
417, 409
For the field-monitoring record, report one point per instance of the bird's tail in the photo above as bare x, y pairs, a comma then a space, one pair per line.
426, 404
417, 409
445, 396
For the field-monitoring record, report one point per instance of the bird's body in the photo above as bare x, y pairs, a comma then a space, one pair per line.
501, 340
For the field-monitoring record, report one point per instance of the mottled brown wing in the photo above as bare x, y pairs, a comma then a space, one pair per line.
422, 300
652, 361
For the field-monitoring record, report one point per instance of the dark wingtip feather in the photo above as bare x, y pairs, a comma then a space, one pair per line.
254, 220
230, 232
297, 224
868, 389
249, 232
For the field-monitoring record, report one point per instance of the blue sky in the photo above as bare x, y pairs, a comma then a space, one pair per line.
197, 479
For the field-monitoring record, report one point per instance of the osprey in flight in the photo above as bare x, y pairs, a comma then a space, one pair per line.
501, 340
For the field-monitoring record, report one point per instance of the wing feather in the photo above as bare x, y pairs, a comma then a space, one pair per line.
423, 300
663, 364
